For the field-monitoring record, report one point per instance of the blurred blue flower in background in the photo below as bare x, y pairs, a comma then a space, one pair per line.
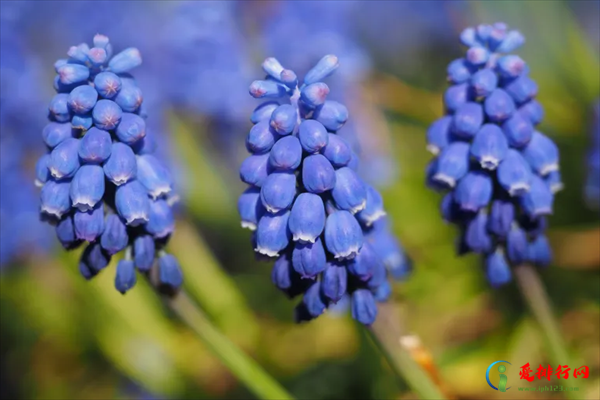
205, 59
205, 63
592, 188
501, 173
587, 17
397, 32
133, 391
307, 206
21, 117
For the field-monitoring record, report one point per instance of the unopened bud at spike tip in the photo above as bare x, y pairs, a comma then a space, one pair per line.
272, 67
269, 89
125, 60
325, 67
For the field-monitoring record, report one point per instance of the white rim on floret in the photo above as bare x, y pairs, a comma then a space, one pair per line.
393, 261
164, 233
489, 162
304, 238
38, 183
84, 204
120, 179
546, 169
137, 220
159, 191
348, 255
272, 210
267, 252
55, 173
518, 189
52, 211
359, 207
248, 225
443, 178
173, 199
433, 149
557, 187
470, 207
538, 212
369, 220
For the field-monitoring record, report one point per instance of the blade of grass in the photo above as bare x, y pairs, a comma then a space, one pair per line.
386, 334
242, 366
212, 288
535, 295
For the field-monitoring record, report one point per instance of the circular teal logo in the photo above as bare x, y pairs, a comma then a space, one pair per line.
503, 379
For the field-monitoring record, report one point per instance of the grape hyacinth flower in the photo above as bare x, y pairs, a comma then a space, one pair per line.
500, 173
592, 187
100, 183
309, 211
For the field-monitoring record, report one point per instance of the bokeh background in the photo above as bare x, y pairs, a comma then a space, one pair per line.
65, 338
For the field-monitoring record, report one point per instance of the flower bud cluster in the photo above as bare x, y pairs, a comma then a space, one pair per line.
100, 181
499, 171
306, 205
592, 187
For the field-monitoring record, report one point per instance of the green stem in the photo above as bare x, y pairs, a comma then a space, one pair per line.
241, 365
536, 297
386, 333
533, 290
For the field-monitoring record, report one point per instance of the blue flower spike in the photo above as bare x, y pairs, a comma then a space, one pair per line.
101, 184
499, 174
592, 186
311, 212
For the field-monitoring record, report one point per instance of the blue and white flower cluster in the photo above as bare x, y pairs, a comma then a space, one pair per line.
309, 210
100, 181
500, 171
592, 187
